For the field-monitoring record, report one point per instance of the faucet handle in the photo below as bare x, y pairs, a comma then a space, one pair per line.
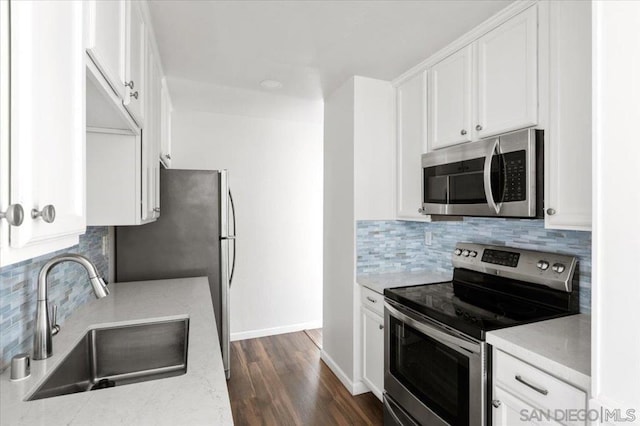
55, 328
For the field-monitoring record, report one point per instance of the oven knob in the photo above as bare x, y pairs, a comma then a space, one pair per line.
457, 252
543, 264
465, 253
558, 267
473, 253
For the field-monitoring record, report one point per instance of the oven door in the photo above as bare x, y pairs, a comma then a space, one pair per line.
435, 374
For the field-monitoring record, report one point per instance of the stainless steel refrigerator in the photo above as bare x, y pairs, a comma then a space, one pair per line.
194, 236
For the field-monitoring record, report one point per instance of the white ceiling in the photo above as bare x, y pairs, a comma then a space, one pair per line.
310, 46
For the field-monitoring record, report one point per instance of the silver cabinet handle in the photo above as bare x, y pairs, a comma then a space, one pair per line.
48, 213
371, 299
463, 132
496, 403
478, 127
534, 387
551, 211
14, 214
156, 209
134, 94
129, 85
168, 156
381, 327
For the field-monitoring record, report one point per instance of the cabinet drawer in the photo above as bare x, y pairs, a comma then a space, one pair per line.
372, 300
535, 386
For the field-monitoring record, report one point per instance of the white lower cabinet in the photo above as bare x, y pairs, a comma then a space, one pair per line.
511, 411
525, 394
373, 351
42, 143
373, 341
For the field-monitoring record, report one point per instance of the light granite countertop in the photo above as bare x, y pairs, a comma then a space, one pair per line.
378, 282
198, 397
559, 346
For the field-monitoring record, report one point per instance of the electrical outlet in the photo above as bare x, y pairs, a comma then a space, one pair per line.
105, 245
427, 238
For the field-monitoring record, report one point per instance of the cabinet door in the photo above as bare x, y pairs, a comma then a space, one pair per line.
508, 76
135, 96
411, 143
165, 125
507, 410
568, 153
450, 89
151, 141
106, 40
373, 351
47, 140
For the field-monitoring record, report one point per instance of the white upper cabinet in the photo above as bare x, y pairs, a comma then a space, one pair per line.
106, 40
449, 94
568, 154
43, 155
151, 141
411, 143
165, 123
508, 76
136, 43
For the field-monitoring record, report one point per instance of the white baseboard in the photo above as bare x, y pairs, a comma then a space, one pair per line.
252, 334
356, 388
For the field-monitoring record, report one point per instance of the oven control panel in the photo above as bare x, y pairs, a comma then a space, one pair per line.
550, 269
501, 257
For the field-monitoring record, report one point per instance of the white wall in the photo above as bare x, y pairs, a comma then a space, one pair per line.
616, 228
339, 233
358, 185
275, 172
374, 149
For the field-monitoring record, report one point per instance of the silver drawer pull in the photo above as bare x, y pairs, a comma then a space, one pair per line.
534, 387
371, 299
381, 327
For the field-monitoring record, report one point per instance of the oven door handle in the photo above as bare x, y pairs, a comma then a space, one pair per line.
450, 340
487, 176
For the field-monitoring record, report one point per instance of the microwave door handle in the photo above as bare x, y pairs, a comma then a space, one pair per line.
487, 176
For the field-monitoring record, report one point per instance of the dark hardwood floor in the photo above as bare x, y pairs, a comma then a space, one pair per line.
316, 336
280, 380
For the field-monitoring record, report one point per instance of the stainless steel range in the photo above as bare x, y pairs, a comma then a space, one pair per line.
436, 358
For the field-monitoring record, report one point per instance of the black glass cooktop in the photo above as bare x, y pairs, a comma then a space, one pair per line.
475, 309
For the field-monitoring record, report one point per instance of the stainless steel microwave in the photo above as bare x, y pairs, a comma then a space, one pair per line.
501, 176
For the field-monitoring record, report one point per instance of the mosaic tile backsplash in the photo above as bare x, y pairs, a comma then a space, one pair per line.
389, 246
69, 288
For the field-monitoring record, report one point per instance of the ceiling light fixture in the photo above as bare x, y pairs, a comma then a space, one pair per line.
271, 84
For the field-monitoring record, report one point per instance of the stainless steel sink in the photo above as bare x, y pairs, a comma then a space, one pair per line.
116, 356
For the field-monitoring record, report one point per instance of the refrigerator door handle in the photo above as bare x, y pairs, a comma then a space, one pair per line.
233, 237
